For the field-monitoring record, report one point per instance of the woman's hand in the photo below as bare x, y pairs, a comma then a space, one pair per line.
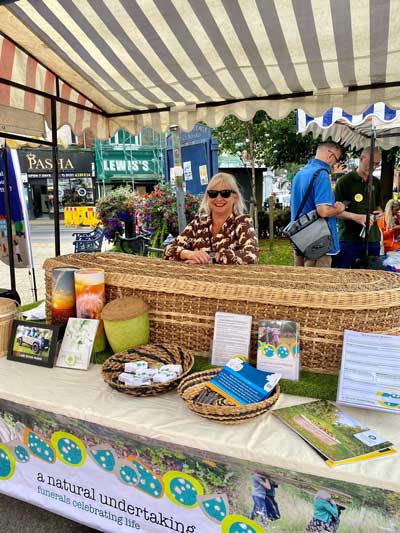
199, 257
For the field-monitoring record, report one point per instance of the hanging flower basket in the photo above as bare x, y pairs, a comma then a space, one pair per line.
116, 211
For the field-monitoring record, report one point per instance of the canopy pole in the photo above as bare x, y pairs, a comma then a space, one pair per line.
8, 221
370, 181
177, 162
55, 176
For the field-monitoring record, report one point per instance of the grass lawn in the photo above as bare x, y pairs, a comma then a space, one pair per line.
276, 252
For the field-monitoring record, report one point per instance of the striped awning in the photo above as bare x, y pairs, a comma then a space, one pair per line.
354, 130
152, 63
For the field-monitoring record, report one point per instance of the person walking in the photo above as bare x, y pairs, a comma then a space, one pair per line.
321, 198
353, 189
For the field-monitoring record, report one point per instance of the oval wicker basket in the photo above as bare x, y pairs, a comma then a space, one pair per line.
152, 353
192, 385
8, 312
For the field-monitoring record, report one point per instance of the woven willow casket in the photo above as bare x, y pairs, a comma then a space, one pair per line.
183, 300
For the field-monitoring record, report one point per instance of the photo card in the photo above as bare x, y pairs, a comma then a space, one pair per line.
34, 343
77, 344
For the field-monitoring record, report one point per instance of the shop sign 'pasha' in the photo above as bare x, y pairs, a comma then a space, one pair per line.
37, 163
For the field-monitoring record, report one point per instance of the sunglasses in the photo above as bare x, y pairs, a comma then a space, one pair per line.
225, 193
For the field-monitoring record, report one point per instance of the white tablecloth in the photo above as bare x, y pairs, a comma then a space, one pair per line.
165, 417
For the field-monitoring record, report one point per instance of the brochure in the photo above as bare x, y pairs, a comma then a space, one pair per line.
243, 384
278, 348
232, 334
337, 437
370, 371
77, 344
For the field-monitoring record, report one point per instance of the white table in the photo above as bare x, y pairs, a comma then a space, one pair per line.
165, 420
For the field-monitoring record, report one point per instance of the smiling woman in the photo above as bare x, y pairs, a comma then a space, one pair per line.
221, 232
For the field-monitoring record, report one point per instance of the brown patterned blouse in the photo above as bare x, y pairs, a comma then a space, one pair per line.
236, 241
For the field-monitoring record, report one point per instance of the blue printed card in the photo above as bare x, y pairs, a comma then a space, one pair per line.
243, 384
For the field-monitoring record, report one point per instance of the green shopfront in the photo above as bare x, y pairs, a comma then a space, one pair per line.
125, 162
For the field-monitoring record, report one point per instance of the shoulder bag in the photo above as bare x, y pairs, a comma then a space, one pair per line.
310, 234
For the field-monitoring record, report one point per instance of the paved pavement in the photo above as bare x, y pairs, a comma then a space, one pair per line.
17, 516
42, 231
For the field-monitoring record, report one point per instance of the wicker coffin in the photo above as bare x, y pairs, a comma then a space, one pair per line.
183, 300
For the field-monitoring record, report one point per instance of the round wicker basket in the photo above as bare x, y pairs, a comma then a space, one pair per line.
8, 312
152, 353
223, 412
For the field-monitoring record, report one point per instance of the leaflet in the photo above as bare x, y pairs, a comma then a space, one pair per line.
370, 371
242, 384
279, 348
232, 334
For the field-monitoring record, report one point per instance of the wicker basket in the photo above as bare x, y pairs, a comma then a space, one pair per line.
183, 300
152, 353
8, 312
192, 385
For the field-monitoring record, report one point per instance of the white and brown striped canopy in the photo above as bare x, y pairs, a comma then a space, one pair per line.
140, 63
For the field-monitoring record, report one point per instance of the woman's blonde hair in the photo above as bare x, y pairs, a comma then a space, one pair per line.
229, 181
390, 222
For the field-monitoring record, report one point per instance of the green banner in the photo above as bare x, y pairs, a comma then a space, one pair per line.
137, 165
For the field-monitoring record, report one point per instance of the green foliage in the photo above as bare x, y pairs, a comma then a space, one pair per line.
276, 143
393, 504
281, 220
233, 137
284, 145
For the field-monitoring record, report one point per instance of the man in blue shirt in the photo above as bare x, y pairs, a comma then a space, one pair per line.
321, 198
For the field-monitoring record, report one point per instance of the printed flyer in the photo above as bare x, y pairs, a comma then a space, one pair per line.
116, 482
370, 371
278, 348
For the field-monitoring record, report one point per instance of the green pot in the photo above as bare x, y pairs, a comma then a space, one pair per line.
125, 334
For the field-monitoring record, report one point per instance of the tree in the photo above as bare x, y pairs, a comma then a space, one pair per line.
245, 139
264, 142
275, 142
283, 145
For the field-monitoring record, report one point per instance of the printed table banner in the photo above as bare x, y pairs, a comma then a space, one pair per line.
116, 482
19, 216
